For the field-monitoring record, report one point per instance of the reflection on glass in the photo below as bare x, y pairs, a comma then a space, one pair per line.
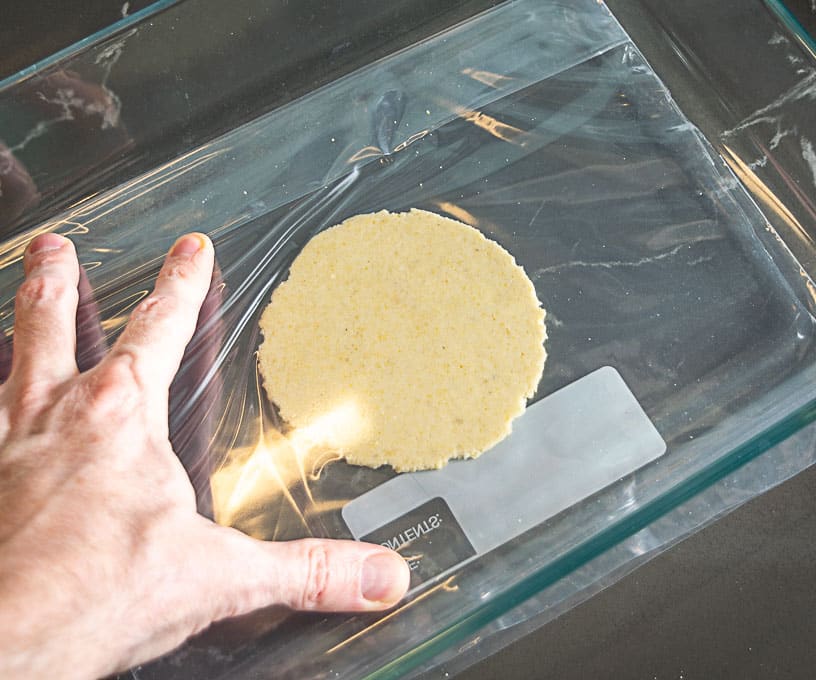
268, 472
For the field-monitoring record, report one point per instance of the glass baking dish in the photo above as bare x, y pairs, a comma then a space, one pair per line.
668, 233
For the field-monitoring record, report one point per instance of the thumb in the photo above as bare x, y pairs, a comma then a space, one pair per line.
308, 574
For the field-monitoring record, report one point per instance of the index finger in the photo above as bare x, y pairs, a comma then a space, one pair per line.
162, 324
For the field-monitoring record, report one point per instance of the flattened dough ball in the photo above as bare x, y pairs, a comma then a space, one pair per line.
403, 339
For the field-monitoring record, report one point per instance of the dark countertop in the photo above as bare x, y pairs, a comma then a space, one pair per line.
736, 600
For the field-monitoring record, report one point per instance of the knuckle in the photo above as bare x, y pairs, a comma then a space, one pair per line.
39, 290
180, 269
316, 586
116, 387
154, 308
28, 401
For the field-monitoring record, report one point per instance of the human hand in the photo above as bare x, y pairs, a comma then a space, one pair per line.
104, 562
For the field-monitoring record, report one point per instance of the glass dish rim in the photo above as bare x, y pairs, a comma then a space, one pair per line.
778, 7
783, 13
605, 539
88, 41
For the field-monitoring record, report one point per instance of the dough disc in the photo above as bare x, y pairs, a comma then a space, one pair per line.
402, 339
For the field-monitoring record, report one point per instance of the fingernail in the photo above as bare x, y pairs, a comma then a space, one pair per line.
47, 241
188, 245
385, 577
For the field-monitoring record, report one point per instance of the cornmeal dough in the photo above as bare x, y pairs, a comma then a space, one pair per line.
403, 339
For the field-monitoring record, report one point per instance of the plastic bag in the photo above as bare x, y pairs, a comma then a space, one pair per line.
542, 125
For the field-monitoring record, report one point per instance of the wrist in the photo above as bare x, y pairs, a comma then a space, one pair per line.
41, 637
